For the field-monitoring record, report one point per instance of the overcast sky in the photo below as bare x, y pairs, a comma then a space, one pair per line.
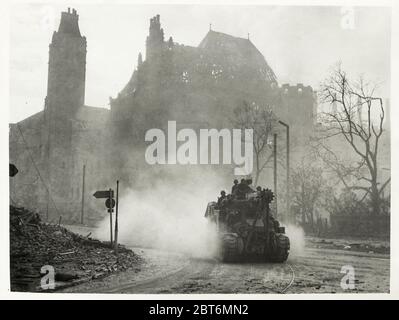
299, 43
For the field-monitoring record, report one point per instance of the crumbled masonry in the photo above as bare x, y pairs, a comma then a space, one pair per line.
75, 258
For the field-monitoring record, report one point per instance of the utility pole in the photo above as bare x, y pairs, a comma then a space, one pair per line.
47, 208
110, 214
288, 174
275, 167
287, 127
116, 217
83, 195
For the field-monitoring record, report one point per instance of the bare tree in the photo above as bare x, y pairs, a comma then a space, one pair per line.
262, 120
357, 116
307, 185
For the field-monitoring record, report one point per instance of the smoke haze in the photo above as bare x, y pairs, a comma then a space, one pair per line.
297, 240
169, 216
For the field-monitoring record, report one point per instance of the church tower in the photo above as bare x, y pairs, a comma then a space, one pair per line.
67, 68
155, 40
65, 96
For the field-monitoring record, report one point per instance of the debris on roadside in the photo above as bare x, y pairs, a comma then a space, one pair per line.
75, 258
369, 246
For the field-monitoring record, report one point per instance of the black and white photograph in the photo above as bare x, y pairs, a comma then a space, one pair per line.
240, 148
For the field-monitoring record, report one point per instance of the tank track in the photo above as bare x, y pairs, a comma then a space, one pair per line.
231, 248
281, 248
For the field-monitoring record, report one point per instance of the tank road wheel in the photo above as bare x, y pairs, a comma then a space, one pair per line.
281, 248
232, 247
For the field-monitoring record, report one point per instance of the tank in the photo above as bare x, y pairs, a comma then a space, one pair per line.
246, 229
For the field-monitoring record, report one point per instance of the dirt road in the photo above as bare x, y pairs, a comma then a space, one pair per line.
316, 270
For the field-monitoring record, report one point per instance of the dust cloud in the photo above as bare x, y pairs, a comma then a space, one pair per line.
168, 216
297, 240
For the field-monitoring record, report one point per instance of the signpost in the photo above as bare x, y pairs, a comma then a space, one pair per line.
116, 217
110, 195
109, 203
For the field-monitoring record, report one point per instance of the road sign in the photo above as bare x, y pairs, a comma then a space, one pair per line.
103, 194
110, 204
13, 170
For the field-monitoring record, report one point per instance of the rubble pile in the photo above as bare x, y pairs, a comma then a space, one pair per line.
75, 258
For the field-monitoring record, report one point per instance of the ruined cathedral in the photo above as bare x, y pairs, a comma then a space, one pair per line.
68, 150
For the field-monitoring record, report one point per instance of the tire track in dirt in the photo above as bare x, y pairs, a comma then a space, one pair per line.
168, 283
314, 271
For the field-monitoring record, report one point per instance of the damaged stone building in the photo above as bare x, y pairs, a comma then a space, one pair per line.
69, 146
204, 84
51, 147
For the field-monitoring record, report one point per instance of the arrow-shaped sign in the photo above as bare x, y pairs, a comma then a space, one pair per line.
13, 170
103, 194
